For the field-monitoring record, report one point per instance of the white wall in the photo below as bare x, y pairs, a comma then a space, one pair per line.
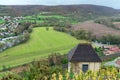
69, 66
94, 66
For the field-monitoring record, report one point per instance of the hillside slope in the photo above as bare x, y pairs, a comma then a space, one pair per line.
41, 44
78, 10
97, 29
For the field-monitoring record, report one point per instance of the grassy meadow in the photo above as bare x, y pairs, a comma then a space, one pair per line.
1, 21
45, 18
40, 45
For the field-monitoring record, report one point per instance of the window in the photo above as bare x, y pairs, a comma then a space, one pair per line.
84, 67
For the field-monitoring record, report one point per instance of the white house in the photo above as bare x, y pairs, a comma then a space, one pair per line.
83, 57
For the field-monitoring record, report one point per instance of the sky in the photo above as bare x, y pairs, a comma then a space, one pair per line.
110, 3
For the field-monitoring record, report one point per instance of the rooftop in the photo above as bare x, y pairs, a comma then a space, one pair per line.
83, 53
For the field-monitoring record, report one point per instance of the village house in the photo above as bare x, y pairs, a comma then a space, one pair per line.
7, 36
83, 57
111, 50
118, 61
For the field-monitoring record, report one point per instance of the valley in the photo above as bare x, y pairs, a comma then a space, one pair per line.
41, 44
39, 39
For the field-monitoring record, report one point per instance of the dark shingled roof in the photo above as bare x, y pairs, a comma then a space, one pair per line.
83, 53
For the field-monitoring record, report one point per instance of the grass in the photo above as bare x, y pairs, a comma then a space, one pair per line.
51, 16
41, 44
1, 21
42, 18
45, 16
37, 21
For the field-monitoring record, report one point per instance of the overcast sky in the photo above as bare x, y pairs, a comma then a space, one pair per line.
110, 3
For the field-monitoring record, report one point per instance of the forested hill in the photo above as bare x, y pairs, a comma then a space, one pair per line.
77, 10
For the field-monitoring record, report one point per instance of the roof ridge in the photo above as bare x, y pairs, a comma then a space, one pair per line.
74, 51
97, 54
86, 50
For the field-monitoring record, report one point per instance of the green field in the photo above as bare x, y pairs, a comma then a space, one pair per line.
41, 44
1, 21
45, 16
42, 18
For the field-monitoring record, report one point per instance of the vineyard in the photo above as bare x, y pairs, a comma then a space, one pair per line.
103, 74
39, 41
109, 73
42, 70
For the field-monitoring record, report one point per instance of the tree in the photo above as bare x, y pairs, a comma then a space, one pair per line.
26, 35
47, 28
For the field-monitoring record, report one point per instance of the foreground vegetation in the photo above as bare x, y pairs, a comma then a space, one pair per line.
44, 41
40, 44
43, 70
102, 74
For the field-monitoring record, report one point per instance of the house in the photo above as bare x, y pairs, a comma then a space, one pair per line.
118, 61
83, 57
115, 49
111, 50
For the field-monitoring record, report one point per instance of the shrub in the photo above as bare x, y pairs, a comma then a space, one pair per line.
110, 39
47, 28
108, 73
11, 76
82, 34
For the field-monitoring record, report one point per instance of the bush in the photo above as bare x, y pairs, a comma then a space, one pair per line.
64, 61
39, 69
26, 35
82, 34
61, 29
108, 73
47, 28
30, 29
107, 22
11, 76
110, 39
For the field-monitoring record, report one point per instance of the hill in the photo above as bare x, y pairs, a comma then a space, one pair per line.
78, 11
90, 9
41, 44
5, 10
97, 29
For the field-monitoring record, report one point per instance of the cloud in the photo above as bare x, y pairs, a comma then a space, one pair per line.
111, 3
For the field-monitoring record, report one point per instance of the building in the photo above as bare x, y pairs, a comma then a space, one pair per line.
83, 57
111, 50
115, 63
118, 61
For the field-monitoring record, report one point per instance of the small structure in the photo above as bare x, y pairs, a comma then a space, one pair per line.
111, 50
115, 63
118, 62
83, 57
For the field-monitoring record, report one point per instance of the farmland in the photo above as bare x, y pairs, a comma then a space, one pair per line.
47, 17
117, 24
46, 30
97, 29
41, 44
1, 21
